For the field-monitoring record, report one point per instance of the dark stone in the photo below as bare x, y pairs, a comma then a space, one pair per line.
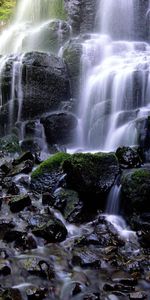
24, 167
59, 127
82, 15
67, 201
72, 52
91, 175
86, 258
12, 294
36, 293
38, 267
5, 269
53, 230
129, 157
48, 175
10, 143
48, 199
24, 157
5, 227
32, 145
144, 239
45, 85
13, 189
18, 203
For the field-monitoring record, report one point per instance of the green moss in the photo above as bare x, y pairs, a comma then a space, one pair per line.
57, 9
141, 174
6, 9
10, 143
50, 164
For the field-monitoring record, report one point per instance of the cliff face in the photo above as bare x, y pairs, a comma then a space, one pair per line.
81, 14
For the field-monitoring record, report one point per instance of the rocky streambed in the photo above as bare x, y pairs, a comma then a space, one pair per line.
56, 242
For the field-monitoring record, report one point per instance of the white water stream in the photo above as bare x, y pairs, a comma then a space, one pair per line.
115, 89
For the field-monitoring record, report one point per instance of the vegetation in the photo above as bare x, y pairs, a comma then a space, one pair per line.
53, 162
57, 9
6, 9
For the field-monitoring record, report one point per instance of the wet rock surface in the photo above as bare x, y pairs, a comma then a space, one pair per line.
54, 246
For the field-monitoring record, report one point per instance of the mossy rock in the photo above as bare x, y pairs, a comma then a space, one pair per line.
91, 174
136, 190
10, 144
48, 173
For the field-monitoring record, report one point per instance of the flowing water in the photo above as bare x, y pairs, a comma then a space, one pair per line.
34, 28
115, 74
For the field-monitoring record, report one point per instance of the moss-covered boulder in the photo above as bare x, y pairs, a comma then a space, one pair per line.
129, 157
136, 190
10, 143
48, 173
92, 175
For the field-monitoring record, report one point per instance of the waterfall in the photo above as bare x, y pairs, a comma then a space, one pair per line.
30, 21
35, 27
117, 18
115, 74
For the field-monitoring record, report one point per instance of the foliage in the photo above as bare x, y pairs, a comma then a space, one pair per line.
53, 162
6, 9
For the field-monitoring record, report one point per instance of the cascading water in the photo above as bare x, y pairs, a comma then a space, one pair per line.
115, 80
35, 28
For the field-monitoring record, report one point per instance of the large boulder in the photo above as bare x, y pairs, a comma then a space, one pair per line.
59, 127
48, 174
92, 175
136, 190
72, 52
44, 85
50, 37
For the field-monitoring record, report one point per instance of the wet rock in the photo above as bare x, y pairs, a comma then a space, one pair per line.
38, 267
49, 173
67, 201
36, 293
48, 199
18, 203
14, 235
140, 222
5, 227
129, 157
0, 202
27, 156
31, 145
91, 175
82, 15
12, 294
5, 268
136, 190
72, 52
85, 258
50, 38
144, 238
53, 230
44, 81
6, 167
118, 287
13, 189
138, 295
25, 242
24, 167
59, 127
10, 143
